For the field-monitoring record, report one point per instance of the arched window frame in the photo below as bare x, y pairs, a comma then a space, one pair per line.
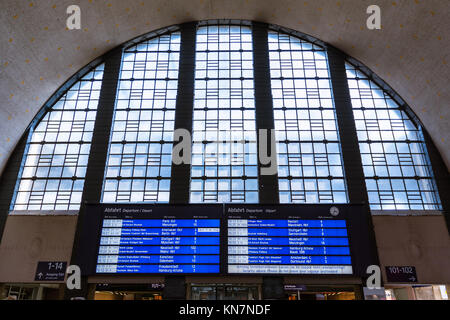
55, 158
395, 160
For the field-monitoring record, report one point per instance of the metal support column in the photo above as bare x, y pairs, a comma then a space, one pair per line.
97, 159
181, 173
351, 155
268, 184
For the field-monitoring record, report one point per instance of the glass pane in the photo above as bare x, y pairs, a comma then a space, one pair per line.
142, 130
305, 125
224, 162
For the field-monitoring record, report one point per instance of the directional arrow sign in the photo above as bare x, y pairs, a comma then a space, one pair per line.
402, 274
50, 271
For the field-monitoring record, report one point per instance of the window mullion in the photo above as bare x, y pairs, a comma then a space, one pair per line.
102, 130
356, 185
181, 173
441, 176
351, 155
97, 158
268, 184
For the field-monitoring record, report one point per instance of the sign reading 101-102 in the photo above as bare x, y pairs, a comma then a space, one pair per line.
159, 239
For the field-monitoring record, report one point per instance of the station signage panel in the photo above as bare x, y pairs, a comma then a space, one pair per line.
402, 274
50, 271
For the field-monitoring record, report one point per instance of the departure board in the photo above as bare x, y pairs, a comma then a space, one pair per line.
221, 239
287, 246
137, 242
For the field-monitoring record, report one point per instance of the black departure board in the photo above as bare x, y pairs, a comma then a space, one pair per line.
220, 239
159, 239
268, 240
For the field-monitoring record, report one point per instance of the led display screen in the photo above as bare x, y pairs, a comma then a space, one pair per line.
260, 242
159, 239
225, 239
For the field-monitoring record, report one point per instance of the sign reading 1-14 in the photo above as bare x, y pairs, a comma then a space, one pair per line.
50, 271
55, 265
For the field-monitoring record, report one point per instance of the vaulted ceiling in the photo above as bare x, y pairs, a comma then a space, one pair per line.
38, 53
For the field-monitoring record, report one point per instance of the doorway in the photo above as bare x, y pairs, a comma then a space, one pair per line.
225, 292
321, 293
129, 292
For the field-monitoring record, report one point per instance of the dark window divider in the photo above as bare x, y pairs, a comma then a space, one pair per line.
268, 184
272, 286
356, 186
441, 176
93, 184
181, 173
354, 174
175, 285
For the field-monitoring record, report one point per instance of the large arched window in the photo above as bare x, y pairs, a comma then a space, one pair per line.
224, 155
394, 156
57, 152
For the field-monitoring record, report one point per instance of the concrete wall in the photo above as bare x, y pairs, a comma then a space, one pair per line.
29, 239
420, 241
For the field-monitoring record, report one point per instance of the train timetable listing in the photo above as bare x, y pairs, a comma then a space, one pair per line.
288, 246
146, 246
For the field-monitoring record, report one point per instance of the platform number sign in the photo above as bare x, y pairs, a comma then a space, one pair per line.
404, 274
50, 271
